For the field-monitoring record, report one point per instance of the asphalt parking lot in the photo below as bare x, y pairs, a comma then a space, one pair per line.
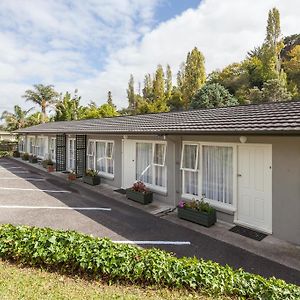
30, 196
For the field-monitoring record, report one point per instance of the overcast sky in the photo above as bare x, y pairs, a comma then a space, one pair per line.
94, 45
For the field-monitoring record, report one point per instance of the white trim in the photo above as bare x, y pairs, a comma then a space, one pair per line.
197, 156
54, 207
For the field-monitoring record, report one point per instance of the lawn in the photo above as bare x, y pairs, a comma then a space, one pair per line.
18, 282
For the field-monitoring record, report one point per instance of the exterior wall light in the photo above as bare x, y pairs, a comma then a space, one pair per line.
243, 139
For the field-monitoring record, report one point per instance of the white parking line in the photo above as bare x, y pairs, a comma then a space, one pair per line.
178, 243
20, 172
9, 168
34, 190
54, 207
22, 178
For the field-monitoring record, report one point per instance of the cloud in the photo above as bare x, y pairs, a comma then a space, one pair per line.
95, 45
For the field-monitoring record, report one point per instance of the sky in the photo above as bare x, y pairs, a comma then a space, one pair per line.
94, 45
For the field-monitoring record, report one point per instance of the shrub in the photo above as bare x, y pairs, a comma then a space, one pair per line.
196, 205
139, 186
72, 252
4, 153
91, 173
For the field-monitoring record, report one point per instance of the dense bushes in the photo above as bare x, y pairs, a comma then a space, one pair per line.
77, 253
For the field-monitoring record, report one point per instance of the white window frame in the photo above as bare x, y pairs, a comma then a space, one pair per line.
164, 155
217, 204
101, 173
152, 186
38, 145
52, 150
197, 156
22, 144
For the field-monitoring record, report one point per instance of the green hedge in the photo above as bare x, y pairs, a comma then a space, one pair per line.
72, 252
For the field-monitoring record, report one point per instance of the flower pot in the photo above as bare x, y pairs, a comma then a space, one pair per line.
198, 217
50, 168
33, 159
143, 198
25, 157
91, 180
72, 177
16, 154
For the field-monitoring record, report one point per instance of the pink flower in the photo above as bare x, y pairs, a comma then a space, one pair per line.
181, 204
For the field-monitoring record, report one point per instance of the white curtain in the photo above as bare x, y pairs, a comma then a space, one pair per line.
217, 173
189, 159
100, 154
91, 153
191, 182
144, 162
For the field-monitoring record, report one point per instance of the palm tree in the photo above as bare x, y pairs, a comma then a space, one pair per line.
42, 95
17, 119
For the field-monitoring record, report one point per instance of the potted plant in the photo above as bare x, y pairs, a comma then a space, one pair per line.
33, 159
91, 177
139, 193
72, 176
50, 166
25, 156
16, 153
196, 211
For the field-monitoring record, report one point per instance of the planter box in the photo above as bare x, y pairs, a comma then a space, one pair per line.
91, 180
72, 177
16, 154
25, 157
144, 198
198, 217
33, 159
50, 168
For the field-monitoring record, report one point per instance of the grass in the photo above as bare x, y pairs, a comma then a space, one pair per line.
17, 282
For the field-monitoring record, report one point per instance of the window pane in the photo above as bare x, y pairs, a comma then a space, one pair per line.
91, 148
160, 176
144, 162
110, 165
189, 158
217, 173
159, 154
190, 185
109, 150
101, 161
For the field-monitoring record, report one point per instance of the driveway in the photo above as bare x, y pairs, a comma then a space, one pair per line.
32, 197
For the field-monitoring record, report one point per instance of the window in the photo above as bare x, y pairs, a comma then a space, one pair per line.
214, 178
40, 146
53, 148
150, 163
100, 156
21, 144
71, 156
217, 173
31, 142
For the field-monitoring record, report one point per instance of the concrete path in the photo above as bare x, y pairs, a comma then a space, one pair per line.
23, 204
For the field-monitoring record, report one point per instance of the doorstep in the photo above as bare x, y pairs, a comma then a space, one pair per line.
270, 247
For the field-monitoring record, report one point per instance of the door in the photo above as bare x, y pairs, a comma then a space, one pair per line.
80, 155
128, 163
254, 203
60, 157
71, 154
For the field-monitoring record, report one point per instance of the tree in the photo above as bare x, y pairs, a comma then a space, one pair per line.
194, 76
275, 90
92, 111
131, 94
110, 100
212, 95
159, 84
16, 119
168, 83
175, 102
35, 119
148, 88
42, 95
68, 108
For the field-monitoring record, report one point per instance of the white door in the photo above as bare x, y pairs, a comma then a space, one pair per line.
128, 159
71, 154
254, 203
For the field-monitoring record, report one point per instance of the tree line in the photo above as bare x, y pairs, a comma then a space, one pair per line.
269, 72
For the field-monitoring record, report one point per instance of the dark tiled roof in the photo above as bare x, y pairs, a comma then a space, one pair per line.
270, 118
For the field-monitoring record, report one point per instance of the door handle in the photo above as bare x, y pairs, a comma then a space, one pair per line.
239, 175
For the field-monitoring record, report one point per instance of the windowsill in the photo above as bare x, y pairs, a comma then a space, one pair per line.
107, 175
228, 209
156, 189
